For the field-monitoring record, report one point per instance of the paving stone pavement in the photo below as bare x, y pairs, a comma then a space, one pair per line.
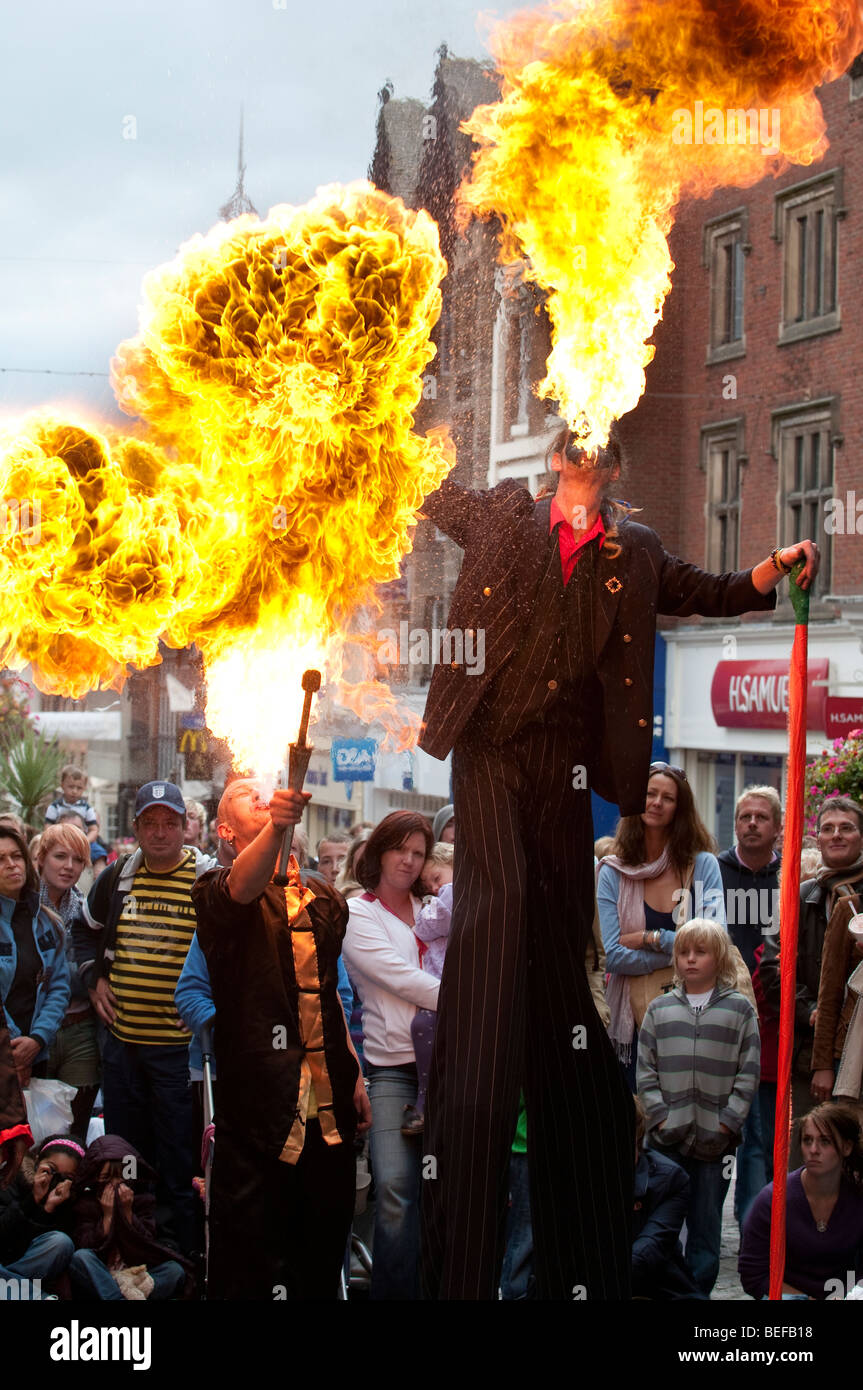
728, 1285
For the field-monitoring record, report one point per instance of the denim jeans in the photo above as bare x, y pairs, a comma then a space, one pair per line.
44, 1259
91, 1279
148, 1101
766, 1102
517, 1279
422, 1037
397, 1168
750, 1170
708, 1186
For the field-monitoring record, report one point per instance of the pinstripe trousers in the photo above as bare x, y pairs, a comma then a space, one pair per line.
515, 1008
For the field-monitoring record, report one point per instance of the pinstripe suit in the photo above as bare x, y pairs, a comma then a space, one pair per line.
523, 897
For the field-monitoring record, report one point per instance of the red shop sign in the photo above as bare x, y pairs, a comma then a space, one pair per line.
754, 694
842, 715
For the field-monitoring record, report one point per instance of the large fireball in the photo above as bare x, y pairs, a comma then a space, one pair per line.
276, 373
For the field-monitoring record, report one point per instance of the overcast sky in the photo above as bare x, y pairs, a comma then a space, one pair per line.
85, 212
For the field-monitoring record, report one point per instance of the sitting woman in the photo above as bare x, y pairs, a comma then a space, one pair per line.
117, 1256
660, 872
824, 1213
36, 1218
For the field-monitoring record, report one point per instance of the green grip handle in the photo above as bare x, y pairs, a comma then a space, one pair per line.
799, 597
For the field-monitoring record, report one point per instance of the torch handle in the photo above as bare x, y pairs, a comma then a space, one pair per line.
298, 764
304, 718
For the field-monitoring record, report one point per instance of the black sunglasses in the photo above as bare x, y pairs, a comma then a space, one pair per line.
668, 767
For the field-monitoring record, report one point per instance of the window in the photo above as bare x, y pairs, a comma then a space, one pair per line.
855, 72
806, 224
725, 247
804, 440
522, 342
722, 459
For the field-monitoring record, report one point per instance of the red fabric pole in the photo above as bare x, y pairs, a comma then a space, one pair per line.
789, 912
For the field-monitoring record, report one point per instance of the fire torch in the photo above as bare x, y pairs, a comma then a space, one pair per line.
298, 763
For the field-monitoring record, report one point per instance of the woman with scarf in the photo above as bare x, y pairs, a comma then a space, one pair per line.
659, 872
34, 971
62, 856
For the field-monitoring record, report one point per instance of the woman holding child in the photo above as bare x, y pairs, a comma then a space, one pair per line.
383, 957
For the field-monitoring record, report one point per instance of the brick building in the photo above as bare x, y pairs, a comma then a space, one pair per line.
749, 436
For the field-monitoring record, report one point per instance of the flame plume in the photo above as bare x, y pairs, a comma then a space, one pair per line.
580, 163
276, 370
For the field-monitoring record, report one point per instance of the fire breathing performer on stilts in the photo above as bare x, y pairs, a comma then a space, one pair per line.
567, 589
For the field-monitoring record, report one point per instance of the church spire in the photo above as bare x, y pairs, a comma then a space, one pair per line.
239, 201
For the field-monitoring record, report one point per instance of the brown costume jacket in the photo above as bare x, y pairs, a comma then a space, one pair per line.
504, 534
840, 954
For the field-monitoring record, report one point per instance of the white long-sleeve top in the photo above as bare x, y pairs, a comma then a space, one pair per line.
382, 955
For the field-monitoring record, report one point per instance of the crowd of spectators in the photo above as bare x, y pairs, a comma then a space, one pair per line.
106, 988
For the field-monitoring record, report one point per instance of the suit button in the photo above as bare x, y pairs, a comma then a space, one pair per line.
487, 593
626, 637
642, 723
627, 680
552, 685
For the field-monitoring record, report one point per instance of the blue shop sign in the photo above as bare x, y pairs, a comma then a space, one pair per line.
353, 759
193, 720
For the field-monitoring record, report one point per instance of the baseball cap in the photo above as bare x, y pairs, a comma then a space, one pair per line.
160, 794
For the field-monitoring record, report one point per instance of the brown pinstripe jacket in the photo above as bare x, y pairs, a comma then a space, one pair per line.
504, 534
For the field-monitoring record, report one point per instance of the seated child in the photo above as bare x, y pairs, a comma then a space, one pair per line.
118, 1256
698, 1068
73, 788
432, 929
36, 1219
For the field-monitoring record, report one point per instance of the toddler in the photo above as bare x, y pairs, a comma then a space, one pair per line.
432, 929
73, 788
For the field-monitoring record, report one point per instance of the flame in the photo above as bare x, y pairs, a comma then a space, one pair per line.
276, 371
586, 155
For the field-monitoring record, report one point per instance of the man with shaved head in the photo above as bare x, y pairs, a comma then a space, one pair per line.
290, 1095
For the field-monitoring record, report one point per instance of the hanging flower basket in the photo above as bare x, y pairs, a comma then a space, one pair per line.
838, 771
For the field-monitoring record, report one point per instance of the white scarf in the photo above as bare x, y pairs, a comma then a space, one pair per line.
630, 912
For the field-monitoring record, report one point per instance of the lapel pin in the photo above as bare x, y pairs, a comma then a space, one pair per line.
613, 585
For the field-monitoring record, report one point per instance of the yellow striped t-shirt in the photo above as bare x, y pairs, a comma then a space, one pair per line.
153, 937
